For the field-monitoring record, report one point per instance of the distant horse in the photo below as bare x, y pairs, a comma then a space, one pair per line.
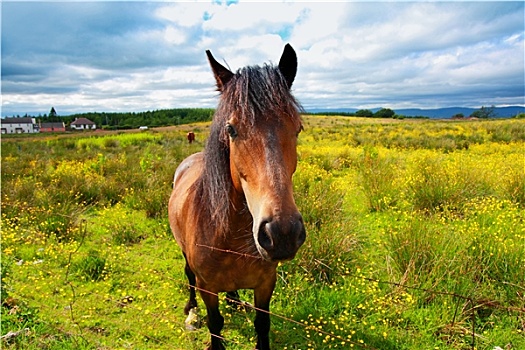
190, 136
232, 209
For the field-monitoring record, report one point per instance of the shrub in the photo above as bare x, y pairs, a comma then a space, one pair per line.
432, 187
330, 243
377, 179
91, 267
439, 182
56, 224
415, 248
124, 226
496, 248
127, 234
110, 143
515, 186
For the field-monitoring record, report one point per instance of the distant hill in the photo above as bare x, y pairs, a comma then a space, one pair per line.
439, 113
443, 113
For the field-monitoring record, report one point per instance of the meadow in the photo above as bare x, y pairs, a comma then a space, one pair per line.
415, 240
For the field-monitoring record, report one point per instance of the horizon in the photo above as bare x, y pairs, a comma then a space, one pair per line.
138, 56
309, 111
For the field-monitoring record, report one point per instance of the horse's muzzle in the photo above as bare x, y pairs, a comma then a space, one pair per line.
280, 238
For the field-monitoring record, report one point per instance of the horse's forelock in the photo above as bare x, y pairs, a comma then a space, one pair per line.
258, 92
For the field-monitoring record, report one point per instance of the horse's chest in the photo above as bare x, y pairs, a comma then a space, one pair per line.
230, 273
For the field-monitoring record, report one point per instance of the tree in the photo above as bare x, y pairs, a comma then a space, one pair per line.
484, 112
52, 113
366, 113
384, 113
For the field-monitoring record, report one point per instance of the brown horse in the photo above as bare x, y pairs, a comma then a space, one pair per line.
232, 209
190, 136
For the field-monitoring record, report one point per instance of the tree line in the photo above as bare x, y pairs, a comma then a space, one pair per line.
481, 113
132, 120
176, 116
367, 113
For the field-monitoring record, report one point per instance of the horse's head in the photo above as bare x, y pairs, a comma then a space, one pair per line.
261, 122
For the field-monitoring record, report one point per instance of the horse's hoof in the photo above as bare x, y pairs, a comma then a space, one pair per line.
193, 321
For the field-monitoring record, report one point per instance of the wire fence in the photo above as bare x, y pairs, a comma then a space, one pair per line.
471, 303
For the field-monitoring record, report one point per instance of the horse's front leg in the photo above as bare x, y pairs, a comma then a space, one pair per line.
215, 320
262, 296
192, 302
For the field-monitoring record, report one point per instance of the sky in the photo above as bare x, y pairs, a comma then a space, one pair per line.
113, 56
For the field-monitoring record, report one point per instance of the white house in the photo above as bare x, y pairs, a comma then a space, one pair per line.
19, 125
83, 124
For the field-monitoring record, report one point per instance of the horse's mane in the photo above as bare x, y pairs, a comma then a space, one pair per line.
254, 94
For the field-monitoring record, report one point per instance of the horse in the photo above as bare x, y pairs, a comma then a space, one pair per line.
232, 209
191, 137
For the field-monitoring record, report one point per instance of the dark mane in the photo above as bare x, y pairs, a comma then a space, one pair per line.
254, 94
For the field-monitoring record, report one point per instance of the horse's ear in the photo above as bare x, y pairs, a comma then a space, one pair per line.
288, 64
222, 74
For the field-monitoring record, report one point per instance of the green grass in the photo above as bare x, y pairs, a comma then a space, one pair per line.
415, 240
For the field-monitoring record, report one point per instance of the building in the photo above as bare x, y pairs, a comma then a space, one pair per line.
83, 124
23, 125
52, 127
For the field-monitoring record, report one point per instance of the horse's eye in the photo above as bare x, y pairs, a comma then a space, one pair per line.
298, 132
231, 131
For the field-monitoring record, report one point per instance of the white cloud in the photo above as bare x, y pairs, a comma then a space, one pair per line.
173, 35
118, 56
317, 22
257, 17
185, 14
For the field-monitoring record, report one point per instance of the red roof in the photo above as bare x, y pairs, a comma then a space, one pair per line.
52, 125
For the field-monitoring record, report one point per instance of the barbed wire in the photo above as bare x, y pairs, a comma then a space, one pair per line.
229, 251
472, 302
287, 319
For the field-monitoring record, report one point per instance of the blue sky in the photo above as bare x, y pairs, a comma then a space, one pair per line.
137, 56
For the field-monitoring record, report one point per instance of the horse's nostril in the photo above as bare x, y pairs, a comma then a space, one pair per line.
301, 237
279, 239
264, 237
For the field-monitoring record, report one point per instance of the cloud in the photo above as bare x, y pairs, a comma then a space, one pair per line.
184, 14
405, 54
149, 55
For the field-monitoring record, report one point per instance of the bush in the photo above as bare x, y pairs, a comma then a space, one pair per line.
515, 187
377, 174
110, 143
91, 267
416, 249
127, 233
330, 242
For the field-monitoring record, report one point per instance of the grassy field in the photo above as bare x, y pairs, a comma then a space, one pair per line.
416, 240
